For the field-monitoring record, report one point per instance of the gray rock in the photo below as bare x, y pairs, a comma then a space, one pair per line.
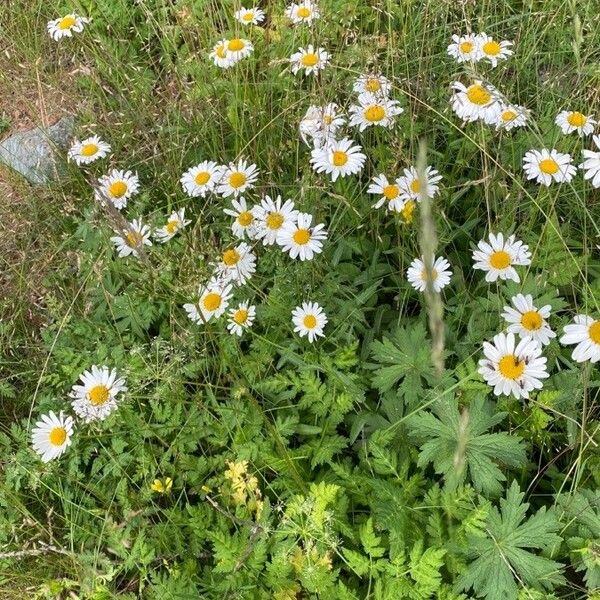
35, 153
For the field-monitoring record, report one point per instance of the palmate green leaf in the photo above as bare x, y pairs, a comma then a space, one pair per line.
503, 560
458, 446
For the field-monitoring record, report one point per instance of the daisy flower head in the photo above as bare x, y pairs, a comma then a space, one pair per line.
88, 150
96, 397
377, 85
272, 216
513, 369
132, 239
237, 264
51, 436
213, 302
118, 186
338, 159
440, 274
498, 257
250, 16
591, 163
510, 116
478, 101
66, 26
546, 166
238, 49
240, 318
201, 179
301, 240
309, 320
174, 225
219, 55
320, 124
374, 110
527, 321
584, 333
236, 178
309, 59
465, 48
412, 187
492, 50
244, 224
574, 121
303, 12
390, 194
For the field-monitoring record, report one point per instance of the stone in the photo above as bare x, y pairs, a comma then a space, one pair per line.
36, 154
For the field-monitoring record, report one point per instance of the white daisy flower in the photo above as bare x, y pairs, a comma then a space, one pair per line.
213, 302
66, 26
238, 48
88, 150
303, 12
513, 370
52, 435
378, 85
585, 332
528, 321
320, 124
271, 217
309, 59
412, 187
510, 116
373, 110
241, 318
309, 320
244, 224
479, 101
131, 240
390, 194
174, 225
237, 178
591, 164
236, 265
250, 16
465, 48
219, 55
96, 397
499, 257
492, 50
440, 274
201, 179
338, 159
546, 166
301, 240
573, 121
118, 186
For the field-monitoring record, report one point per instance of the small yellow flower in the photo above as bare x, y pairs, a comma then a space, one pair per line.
407, 214
162, 486
206, 489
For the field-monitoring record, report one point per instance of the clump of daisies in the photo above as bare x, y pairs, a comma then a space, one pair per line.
66, 26
474, 48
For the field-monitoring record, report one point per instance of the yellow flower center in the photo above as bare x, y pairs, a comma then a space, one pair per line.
98, 395
508, 115
301, 236
415, 186
408, 211
466, 47
134, 239
434, 275
248, 16
373, 85
375, 113
237, 179
221, 53
548, 166
202, 177
212, 301
477, 94
510, 366
576, 119
391, 191
492, 48
531, 320
67, 22
274, 220
310, 59
117, 189
89, 149
171, 226
235, 45
303, 12
328, 119
594, 332
57, 436
500, 259
340, 158
245, 218
240, 316
231, 257
310, 321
